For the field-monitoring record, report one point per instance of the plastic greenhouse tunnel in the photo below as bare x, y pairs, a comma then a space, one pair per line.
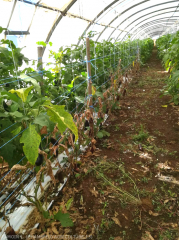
89, 129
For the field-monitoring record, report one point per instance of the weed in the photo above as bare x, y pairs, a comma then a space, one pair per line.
111, 238
116, 128
142, 135
144, 180
168, 235
104, 207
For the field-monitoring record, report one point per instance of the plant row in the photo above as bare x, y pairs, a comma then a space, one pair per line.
168, 46
38, 105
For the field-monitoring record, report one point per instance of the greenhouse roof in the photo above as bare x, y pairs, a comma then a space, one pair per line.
64, 22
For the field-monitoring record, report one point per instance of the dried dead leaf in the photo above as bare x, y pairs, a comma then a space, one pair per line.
94, 192
153, 214
116, 220
170, 199
55, 230
85, 170
173, 225
147, 236
116, 214
88, 154
18, 167
49, 171
43, 130
125, 216
117, 238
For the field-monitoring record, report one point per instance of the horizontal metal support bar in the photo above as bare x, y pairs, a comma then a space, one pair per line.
16, 32
41, 6
70, 15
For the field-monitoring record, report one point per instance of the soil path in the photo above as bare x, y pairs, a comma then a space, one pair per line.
121, 192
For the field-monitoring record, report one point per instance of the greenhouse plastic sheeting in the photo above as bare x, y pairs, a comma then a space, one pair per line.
64, 22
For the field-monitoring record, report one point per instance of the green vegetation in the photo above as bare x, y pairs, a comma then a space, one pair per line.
30, 99
168, 52
142, 135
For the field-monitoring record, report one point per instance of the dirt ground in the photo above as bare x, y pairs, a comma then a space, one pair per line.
128, 189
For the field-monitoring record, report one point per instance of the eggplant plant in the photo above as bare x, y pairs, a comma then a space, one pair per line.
33, 102
168, 52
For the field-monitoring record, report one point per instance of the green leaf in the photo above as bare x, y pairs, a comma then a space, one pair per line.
68, 204
42, 120
79, 99
16, 114
64, 119
50, 43
33, 81
64, 218
4, 51
7, 153
70, 86
14, 107
105, 133
100, 135
22, 93
31, 140
17, 130
41, 43
46, 214
11, 96
36, 76
6, 114
2, 29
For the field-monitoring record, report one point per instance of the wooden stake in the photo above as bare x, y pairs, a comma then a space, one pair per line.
91, 123
40, 63
89, 74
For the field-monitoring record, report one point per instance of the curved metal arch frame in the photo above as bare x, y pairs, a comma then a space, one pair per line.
150, 24
151, 34
134, 14
155, 34
145, 15
99, 14
126, 10
149, 17
152, 27
57, 22
157, 20
145, 20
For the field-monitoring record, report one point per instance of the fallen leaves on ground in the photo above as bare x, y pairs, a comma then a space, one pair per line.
116, 220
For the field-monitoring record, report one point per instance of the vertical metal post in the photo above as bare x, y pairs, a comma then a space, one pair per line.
89, 73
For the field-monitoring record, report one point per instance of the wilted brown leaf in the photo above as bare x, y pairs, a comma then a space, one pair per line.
88, 154
117, 238
18, 167
147, 236
43, 130
85, 170
55, 230
94, 192
116, 220
153, 214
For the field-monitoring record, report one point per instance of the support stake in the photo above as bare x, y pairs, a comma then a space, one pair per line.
89, 74
91, 123
40, 63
